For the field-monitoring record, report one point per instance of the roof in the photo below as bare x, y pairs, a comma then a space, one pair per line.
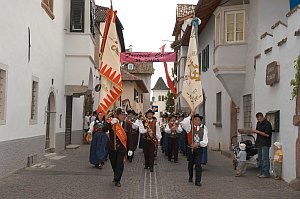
160, 85
183, 11
100, 16
141, 68
204, 10
126, 76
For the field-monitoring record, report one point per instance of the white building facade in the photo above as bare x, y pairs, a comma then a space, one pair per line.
35, 73
233, 66
279, 48
160, 91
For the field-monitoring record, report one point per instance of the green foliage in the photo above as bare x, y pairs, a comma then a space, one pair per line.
170, 102
88, 103
294, 82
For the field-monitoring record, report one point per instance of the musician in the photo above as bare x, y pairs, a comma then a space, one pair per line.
197, 139
151, 133
119, 142
163, 141
134, 130
173, 129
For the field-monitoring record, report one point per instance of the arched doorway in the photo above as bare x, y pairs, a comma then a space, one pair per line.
50, 124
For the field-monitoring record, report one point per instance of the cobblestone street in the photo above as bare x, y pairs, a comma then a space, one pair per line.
69, 175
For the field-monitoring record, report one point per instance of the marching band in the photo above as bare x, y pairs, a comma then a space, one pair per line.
125, 132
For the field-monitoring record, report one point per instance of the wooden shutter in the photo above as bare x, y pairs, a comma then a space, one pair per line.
77, 16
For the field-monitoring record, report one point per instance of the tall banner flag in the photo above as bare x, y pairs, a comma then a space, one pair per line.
192, 88
111, 83
169, 81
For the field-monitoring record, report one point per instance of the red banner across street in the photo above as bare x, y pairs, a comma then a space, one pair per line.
148, 57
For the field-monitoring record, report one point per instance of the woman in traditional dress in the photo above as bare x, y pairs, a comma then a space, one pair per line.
98, 151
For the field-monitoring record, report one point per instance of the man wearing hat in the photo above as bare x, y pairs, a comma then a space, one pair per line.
133, 126
151, 132
197, 139
173, 129
120, 142
163, 125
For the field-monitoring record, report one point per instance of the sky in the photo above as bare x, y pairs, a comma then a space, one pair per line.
147, 23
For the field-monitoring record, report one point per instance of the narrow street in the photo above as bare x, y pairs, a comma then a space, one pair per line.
69, 175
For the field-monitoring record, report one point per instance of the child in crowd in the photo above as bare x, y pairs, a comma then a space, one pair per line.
241, 157
277, 160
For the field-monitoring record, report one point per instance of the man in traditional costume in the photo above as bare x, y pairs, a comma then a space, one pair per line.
197, 138
133, 127
173, 129
152, 135
119, 141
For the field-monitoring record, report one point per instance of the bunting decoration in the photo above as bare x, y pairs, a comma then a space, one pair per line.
192, 88
169, 81
111, 83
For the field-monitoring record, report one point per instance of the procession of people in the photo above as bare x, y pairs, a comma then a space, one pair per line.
117, 135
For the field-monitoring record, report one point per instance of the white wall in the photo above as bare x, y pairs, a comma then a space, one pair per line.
47, 62
161, 104
278, 96
211, 86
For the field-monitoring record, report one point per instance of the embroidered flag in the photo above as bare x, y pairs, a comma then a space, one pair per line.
192, 88
169, 81
111, 83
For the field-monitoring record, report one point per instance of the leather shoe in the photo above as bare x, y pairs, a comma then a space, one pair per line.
117, 184
151, 169
198, 184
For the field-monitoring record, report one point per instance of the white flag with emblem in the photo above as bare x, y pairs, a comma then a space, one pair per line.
192, 88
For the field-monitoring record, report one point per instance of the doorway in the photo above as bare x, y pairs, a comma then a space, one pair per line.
50, 124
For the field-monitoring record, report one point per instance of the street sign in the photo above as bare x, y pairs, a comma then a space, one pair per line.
155, 108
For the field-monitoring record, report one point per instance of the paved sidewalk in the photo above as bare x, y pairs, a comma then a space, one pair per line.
69, 175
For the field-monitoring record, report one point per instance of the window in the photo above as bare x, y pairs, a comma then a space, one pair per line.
92, 18
219, 107
205, 59
47, 5
34, 101
162, 98
136, 96
199, 60
247, 101
142, 98
2, 94
77, 16
159, 98
235, 26
218, 29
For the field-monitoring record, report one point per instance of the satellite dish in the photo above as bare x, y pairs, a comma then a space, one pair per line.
98, 87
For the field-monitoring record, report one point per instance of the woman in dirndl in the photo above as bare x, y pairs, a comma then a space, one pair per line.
98, 151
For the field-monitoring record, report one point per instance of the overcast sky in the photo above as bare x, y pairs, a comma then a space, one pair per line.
146, 24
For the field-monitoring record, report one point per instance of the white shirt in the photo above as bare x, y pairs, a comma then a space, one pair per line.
168, 129
186, 124
86, 122
142, 129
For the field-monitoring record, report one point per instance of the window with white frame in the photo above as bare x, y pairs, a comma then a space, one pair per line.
159, 98
162, 98
235, 26
2, 94
34, 100
247, 101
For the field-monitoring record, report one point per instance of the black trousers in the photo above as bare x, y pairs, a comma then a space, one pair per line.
149, 149
194, 158
117, 163
173, 148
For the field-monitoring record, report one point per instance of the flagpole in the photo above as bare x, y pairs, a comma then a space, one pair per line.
111, 7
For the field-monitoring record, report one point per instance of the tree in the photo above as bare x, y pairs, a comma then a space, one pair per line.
170, 102
88, 103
